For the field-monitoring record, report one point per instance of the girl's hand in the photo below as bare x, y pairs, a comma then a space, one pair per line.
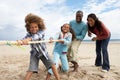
51, 38
61, 41
94, 38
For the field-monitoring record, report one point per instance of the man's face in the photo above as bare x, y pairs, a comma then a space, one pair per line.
79, 17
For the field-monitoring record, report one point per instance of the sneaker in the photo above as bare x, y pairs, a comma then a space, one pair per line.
103, 70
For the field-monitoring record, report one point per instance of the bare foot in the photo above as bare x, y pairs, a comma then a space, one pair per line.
71, 66
76, 67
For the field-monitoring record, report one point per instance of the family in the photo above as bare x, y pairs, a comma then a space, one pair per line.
66, 49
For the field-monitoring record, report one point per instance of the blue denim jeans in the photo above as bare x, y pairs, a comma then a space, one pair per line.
102, 57
63, 58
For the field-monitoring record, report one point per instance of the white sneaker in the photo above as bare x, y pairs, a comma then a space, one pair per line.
103, 70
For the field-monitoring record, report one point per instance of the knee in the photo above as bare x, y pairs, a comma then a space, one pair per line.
53, 66
104, 50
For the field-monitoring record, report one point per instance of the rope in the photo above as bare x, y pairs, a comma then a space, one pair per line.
30, 42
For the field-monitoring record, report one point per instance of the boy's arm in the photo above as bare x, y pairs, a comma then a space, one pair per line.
24, 41
39, 36
28, 38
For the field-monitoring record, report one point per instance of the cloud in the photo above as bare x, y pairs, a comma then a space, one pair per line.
9, 32
108, 12
54, 1
12, 17
13, 13
97, 6
55, 13
112, 20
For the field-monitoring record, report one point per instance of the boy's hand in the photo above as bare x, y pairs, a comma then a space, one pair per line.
19, 42
25, 42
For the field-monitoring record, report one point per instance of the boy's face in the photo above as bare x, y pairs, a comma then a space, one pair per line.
66, 28
34, 28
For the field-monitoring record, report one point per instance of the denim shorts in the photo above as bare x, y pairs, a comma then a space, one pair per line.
34, 62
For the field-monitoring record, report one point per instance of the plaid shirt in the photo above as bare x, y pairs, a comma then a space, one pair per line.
38, 49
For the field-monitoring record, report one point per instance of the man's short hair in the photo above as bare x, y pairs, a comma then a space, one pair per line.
79, 12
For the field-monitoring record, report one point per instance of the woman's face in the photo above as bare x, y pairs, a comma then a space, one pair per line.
91, 21
34, 28
65, 28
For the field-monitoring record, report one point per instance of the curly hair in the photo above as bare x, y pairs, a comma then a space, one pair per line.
31, 18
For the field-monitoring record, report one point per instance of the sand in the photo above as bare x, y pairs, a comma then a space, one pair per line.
14, 62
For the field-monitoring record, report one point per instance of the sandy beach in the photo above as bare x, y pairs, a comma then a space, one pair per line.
14, 62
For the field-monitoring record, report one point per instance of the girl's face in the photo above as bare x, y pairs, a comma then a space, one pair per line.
91, 21
34, 28
65, 28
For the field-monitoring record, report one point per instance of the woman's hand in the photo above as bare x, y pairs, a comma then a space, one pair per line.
94, 38
89, 34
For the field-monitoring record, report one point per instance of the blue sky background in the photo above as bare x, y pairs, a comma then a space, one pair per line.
55, 13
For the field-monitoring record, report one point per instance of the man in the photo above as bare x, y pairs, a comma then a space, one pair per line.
80, 29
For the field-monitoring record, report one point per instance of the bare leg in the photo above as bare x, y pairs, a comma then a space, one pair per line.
48, 76
60, 67
55, 72
28, 75
75, 65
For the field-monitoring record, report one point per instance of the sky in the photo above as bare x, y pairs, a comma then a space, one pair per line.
55, 13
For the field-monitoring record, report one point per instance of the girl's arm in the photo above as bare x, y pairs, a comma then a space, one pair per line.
51, 40
67, 40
